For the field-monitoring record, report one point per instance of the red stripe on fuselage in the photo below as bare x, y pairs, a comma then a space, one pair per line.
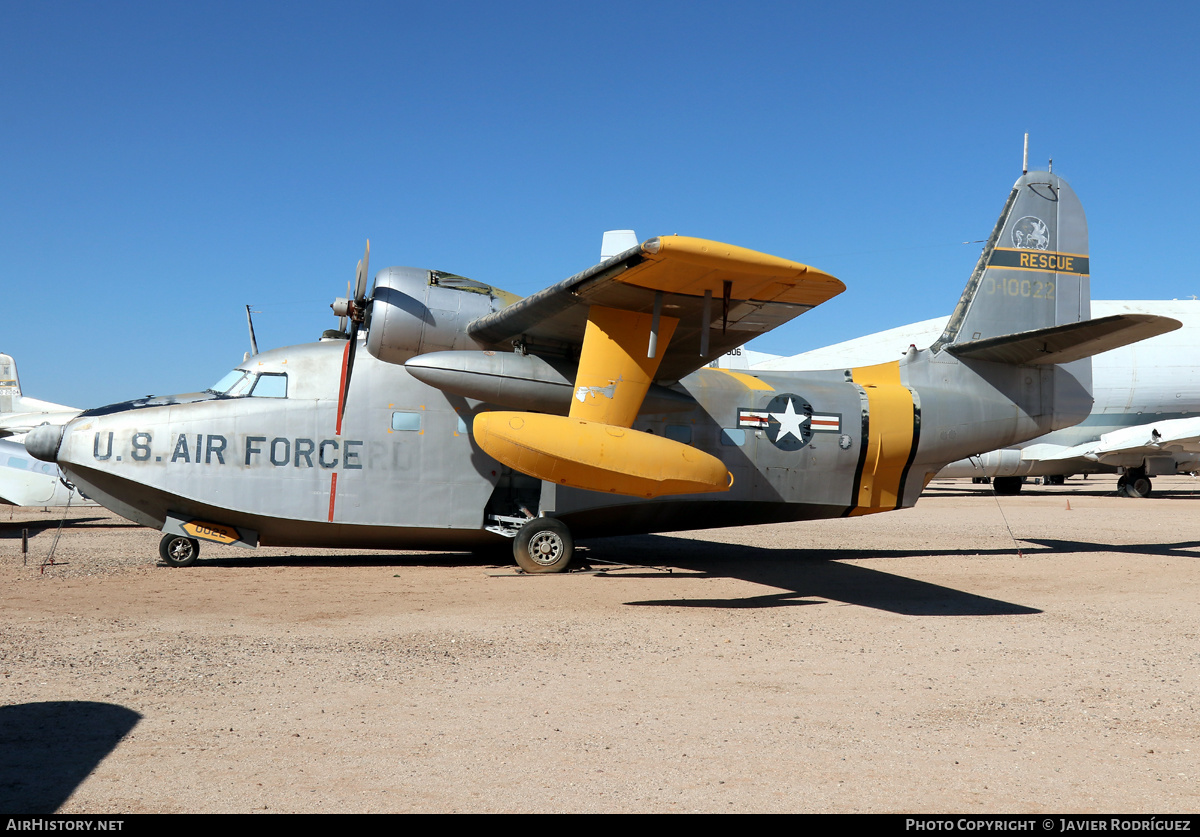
332, 495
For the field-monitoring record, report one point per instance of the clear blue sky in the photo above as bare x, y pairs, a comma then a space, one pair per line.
165, 164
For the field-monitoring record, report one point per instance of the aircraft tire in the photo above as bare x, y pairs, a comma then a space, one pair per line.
1007, 485
178, 551
1137, 487
544, 545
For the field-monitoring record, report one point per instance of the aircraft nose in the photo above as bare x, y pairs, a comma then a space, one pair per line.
42, 442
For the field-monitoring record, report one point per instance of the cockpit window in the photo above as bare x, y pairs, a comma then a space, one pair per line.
239, 383
242, 387
223, 386
270, 385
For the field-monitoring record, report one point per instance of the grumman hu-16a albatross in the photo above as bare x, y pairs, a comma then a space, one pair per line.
586, 409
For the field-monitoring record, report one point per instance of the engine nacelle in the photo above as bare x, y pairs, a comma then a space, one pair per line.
415, 311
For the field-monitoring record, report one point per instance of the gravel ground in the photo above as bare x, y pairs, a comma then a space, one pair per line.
918, 661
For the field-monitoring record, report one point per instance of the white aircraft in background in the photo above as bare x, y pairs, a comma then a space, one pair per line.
19, 413
24, 481
1145, 421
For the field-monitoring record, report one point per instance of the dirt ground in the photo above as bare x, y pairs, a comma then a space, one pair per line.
917, 661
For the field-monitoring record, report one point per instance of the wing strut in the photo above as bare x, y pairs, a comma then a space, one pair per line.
613, 377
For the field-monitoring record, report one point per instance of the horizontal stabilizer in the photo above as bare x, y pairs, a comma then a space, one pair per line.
1066, 343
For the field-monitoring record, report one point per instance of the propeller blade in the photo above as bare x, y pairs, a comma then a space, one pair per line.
364, 268
357, 310
347, 371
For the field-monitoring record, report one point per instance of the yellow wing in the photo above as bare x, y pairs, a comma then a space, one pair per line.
721, 295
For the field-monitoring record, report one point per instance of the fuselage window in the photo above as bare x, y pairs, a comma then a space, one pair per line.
406, 421
732, 436
270, 385
679, 433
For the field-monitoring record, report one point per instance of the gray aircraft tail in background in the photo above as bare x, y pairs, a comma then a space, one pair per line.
23, 480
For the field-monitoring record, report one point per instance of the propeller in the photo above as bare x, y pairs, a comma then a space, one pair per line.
354, 308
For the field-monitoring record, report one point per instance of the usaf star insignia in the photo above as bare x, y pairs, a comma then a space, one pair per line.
788, 421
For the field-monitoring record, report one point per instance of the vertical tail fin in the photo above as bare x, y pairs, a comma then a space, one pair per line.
1014, 361
1033, 272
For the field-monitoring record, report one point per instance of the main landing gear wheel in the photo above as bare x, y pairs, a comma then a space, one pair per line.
543, 545
178, 551
1134, 484
1007, 485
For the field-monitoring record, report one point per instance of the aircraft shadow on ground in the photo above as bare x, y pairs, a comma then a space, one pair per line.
805, 576
48, 749
1179, 549
821, 573
809, 577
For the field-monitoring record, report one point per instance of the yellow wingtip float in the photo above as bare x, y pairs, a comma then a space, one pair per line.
599, 457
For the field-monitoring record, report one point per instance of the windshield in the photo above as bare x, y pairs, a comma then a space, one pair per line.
240, 382
231, 382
